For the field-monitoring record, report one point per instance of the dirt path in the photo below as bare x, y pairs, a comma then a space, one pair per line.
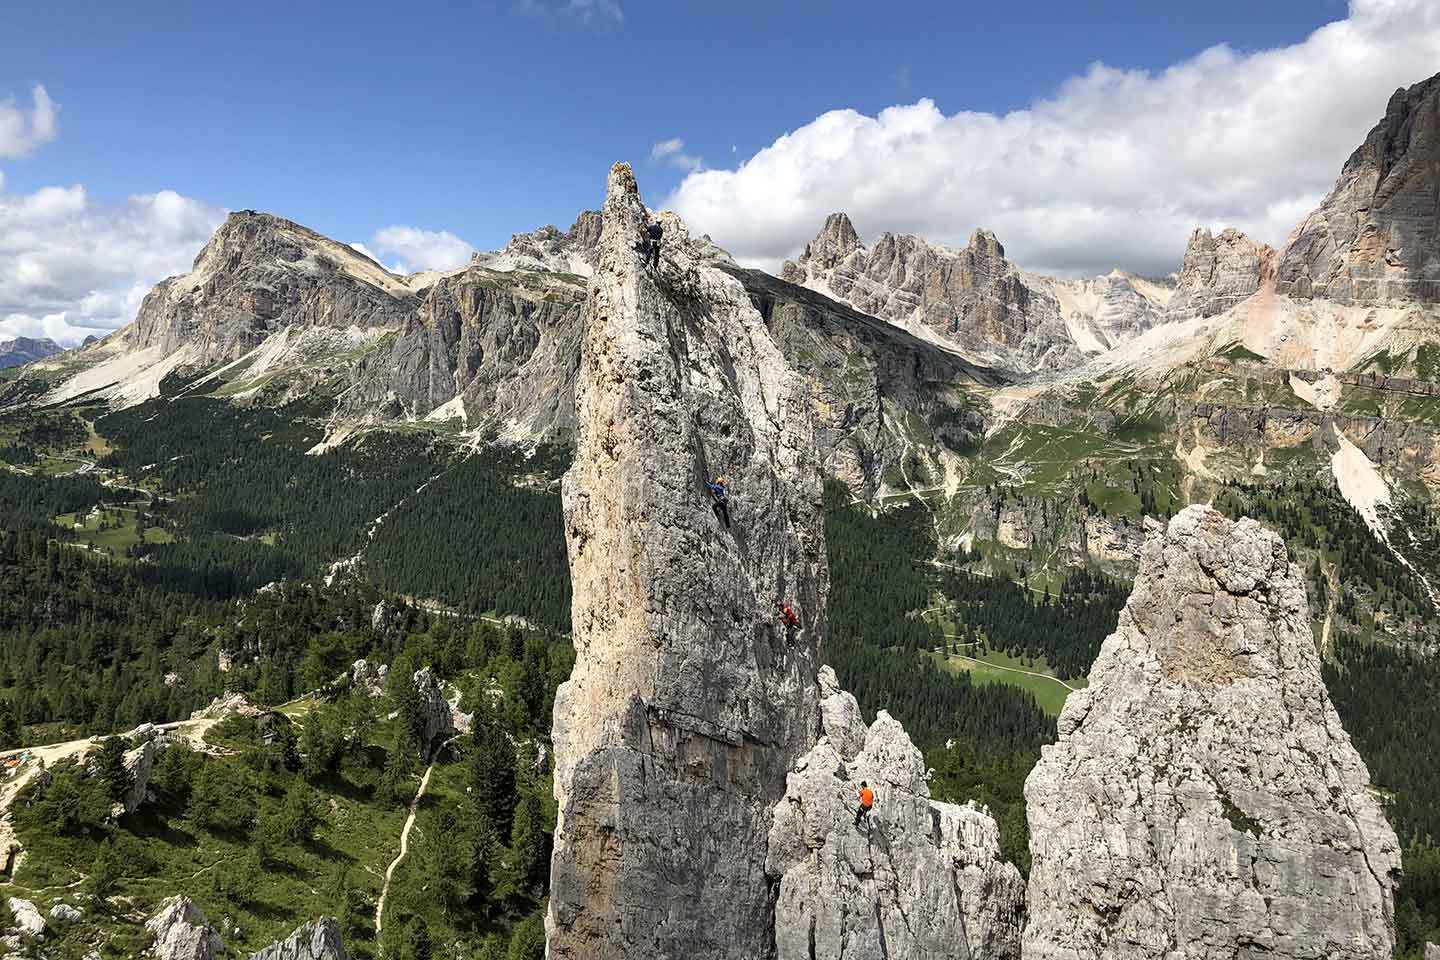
404, 842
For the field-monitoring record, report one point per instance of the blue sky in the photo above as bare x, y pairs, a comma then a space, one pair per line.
483, 119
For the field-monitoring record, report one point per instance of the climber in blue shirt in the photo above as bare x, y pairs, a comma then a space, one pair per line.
722, 499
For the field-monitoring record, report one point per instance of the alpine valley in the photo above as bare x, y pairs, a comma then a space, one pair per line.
298, 536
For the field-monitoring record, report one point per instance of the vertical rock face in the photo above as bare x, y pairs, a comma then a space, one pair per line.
439, 725
1376, 237
687, 704
1203, 800
1217, 273
488, 348
918, 879
869, 380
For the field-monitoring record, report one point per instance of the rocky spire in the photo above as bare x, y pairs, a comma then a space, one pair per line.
1376, 237
919, 879
687, 704
836, 240
1217, 273
1203, 799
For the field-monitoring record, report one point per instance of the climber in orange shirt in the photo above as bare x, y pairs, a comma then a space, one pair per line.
867, 800
791, 621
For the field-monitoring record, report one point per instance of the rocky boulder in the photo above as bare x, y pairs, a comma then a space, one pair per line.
435, 709
1376, 237
139, 764
182, 932
27, 917
316, 940
1432, 952
64, 913
917, 879
1203, 800
369, 678
1217, 273
687, 704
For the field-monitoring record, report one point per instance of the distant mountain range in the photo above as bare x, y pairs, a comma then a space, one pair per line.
943, 373
23, 350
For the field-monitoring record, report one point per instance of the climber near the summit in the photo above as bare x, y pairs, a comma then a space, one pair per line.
867, 800
651, 247
791, 621
722, 499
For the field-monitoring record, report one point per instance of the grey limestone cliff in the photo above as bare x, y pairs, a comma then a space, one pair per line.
1376, 237
975, 299
972, 296
181, 932
687, 704
705, 764
1203, 800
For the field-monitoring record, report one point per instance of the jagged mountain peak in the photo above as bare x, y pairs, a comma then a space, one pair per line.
972, 299
984, 241
1376, 237
252, 238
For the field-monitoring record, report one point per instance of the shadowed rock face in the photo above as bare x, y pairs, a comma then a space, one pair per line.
1376, 237
19, 351
687, 704
506, 344
1203, 800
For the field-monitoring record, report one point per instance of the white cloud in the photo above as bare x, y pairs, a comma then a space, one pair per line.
672, 151
20, 133
70, 267
419, 249
1114, 169
596, 13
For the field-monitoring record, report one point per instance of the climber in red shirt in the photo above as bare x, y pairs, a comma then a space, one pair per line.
867, 800
791, 621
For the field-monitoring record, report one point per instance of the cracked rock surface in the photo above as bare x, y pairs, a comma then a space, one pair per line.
687, 705
1203, 800
918, 879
